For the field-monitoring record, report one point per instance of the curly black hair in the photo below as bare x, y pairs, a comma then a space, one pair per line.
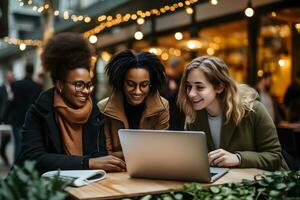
125, 60
65, 52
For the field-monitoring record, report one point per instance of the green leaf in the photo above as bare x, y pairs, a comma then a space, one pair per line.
214, 189
274, 193
178, 196
147, 197
280, 186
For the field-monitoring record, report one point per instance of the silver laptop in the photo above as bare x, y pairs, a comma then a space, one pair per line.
162, 154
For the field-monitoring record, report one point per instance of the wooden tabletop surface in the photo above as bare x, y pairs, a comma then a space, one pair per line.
120, 185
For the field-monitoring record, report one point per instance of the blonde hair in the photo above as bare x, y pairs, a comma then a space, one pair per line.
237, 99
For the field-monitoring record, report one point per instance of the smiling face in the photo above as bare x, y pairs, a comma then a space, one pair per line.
136, 85
202, 93
70, 88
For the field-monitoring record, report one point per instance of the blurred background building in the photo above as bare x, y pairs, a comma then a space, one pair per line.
265, 40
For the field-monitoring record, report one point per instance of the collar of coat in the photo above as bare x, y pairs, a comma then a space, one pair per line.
113, 106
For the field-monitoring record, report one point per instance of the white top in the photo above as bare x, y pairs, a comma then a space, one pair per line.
215, 124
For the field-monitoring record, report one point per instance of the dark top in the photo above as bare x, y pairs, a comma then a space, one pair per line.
292, 101
42, 141
25, 92
133, 114
3, 102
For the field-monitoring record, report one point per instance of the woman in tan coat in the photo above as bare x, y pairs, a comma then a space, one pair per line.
240, 132
135, 102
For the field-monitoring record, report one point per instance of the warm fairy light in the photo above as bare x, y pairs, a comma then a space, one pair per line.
153, 50
159, 51
260, 73
249, 12
281, 62
177, 52
138, 35
107, 22
164, 56
93, 39
56, 13
189, 10
22, 47
210, 51
273, 14
87, 19
214, 2
140, 21
194, 44
105, 56
178, 36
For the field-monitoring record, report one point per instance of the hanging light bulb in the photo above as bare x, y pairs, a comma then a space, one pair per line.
93, 39
214, 2
22, 47
249, 12
189, 10
138, 35
178, 36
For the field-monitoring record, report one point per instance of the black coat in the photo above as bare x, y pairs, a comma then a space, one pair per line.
25, 92
42, 140
3, 102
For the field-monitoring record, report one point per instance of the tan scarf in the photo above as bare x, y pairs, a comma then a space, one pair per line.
70, 122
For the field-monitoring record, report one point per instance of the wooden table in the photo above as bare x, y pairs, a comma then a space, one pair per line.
120, 185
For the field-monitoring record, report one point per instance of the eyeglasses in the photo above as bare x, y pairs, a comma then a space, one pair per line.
133, 85
80, 85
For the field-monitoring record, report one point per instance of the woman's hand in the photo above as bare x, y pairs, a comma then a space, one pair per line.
222, 158
108, 163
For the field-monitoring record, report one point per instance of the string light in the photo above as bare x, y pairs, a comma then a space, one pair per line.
106, 21
189, 10
22, 47
178, 36
134, 16
15, 41
93, 39
214, 2
249, 12
138, 35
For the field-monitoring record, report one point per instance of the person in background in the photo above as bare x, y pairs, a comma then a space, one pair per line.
63, 129
170, 92
292, 100
25, 92
135, 102
240, 132
263, 87
5, 96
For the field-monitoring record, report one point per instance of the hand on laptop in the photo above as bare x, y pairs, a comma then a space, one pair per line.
108, 163
222, 158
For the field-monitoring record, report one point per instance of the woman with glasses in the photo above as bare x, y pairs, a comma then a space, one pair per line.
135, 102
64, 128
239, 131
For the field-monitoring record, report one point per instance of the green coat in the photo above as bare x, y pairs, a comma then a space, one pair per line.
255, 138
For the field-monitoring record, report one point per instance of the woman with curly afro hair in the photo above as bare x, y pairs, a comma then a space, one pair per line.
135, 102
64, 128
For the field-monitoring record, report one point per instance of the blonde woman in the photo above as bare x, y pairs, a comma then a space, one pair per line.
240, 132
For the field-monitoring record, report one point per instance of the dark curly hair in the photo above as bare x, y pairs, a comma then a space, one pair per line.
65, 52
125, 60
